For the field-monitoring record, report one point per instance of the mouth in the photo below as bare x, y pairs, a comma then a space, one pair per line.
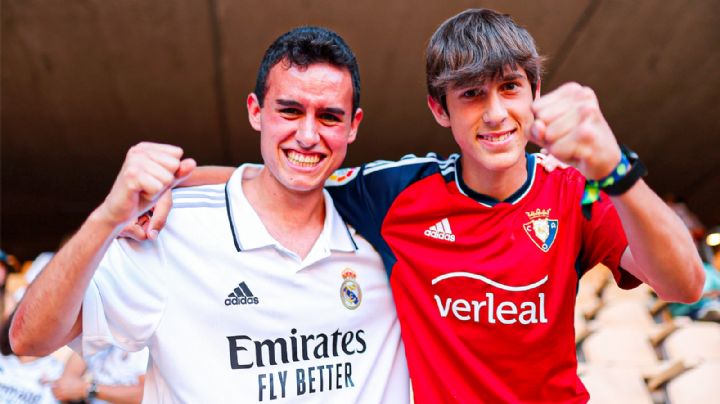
305, 160
497, 137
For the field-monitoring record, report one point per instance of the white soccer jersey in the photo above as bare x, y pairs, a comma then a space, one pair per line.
28, 382
115, 366
229, 315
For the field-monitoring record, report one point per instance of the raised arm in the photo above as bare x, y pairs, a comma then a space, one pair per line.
570, 125
49, 315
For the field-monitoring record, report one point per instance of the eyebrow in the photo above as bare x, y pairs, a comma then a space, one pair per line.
292, 103
512, 76
288, 103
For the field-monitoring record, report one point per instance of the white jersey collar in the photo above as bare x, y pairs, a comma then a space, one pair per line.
249, 232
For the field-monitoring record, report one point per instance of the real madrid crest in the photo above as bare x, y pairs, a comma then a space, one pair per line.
350, 292
541, 229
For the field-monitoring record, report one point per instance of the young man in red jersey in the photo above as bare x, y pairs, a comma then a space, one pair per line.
484, 250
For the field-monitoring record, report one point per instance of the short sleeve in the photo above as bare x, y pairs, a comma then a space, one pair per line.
604, 241
125, 299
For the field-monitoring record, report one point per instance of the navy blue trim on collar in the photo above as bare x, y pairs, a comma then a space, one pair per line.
352, 239
230, 219
489, 200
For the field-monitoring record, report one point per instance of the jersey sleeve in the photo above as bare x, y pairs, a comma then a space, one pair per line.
604, 241
363, 195
125, 299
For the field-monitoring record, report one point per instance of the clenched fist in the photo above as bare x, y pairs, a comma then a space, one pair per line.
148, 171
569, 124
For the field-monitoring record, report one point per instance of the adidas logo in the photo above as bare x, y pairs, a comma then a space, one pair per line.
241, 295
441, 231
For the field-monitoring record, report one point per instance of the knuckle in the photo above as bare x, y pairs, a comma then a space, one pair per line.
588, 93
573, 86
132, 171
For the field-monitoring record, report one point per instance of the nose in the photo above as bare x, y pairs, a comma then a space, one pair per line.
307, 133
495, 112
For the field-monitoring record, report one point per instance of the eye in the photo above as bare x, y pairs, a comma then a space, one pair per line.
328, 117
511, 86
471, 93
290, 112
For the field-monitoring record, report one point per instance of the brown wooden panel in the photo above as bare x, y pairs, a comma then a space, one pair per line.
84, 80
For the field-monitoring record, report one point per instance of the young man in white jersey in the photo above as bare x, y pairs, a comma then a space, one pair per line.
256, 290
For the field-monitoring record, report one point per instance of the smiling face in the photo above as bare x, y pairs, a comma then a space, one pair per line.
306, 123
488, 120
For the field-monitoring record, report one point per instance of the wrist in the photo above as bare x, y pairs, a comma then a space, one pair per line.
626, 174
91, 391
104, 221
609, 166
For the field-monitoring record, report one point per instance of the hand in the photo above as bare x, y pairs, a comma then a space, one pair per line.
148, 171
69, 388
148, 226
549, 162
570, 125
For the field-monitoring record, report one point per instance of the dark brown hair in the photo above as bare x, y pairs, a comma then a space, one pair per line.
304, 46
476, 45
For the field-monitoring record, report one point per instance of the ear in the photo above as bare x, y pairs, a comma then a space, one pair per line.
254, 111
537, 90
441, 116
355, 125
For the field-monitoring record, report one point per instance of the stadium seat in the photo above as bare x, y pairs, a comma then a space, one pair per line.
612, 385
697, 385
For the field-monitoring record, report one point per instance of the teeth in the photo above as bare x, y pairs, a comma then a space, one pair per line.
303, 160
496, 138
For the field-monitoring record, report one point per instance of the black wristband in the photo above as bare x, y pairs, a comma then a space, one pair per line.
637, 170
92, 390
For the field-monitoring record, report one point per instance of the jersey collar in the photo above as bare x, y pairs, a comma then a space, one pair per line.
249, 232
489, 201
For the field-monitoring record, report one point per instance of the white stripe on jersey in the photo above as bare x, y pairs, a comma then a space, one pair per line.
408, 160
207, 196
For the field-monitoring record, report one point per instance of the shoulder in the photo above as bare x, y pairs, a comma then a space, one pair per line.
409, 166
209, 196
411, 163
560, 176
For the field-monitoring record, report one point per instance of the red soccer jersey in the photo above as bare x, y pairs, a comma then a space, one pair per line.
484, 289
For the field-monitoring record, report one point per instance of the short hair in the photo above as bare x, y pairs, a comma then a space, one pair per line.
304, 46
478, 44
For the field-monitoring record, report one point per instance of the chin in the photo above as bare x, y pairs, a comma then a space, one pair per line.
503, 161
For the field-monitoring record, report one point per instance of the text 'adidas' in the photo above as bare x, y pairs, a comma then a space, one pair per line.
441, 231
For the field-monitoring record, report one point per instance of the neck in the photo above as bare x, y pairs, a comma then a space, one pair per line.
295, 219
499, 184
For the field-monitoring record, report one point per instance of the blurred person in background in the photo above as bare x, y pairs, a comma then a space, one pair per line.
708, 307
110, 376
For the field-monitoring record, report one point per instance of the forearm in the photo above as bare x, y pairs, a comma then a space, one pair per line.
118, 394
74, 367
48, 316
208, 175
662, 248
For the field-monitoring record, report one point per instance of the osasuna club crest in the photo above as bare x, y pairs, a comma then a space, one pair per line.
350, 292
541, 229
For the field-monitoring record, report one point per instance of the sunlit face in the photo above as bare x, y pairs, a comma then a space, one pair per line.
305, 123
488, 120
